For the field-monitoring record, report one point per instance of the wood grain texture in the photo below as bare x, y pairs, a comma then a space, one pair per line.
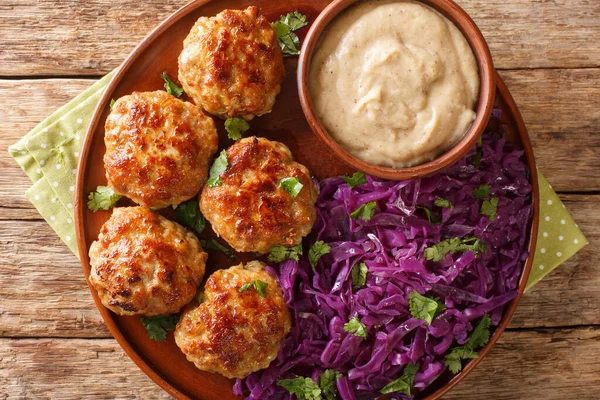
44, 293
49, 37
543, 364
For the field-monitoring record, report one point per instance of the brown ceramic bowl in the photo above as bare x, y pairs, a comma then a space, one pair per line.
487, 91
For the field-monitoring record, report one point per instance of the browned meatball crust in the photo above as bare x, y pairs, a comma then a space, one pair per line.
142, 263
231, 64
158, 148
249, 209
233, 333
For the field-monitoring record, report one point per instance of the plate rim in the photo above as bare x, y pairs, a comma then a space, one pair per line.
80, 204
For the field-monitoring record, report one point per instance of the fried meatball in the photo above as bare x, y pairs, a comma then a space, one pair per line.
233, 333
231, 64
158, 148
142, 263
249, 209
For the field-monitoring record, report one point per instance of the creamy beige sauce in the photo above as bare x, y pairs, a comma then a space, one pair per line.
394, 82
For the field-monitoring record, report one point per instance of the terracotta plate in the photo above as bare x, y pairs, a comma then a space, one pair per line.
162, 361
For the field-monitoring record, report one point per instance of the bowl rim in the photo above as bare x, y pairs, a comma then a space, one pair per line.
484, 106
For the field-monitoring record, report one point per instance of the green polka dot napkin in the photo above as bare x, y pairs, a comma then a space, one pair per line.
48, 155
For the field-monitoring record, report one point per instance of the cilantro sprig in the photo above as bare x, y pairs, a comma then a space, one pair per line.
303, 388
489, 208
219, 166
281, 253
454, 245
359, 275
213, 244
188, 214
479, 338
327, 383
104, 198
236, 127
356, 328
365, 211
157, 327
170, 86
260, 286
285, 27
357, 179
317, 250
423, 307
444, 203
291, 185
482, 191
405, 383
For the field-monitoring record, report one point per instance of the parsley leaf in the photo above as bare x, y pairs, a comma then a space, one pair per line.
157, 326
477, 159
423, 307
359, 275
212, 244
489, 207
103, 198
454, 245
445, 203
328, 380
431, 216
281, 253
285, 27
479, 338
170, 86
317, 250
482, 191
236, 127
357, 179
259, 285
303, 388
291, 185
365, 212
356, 328
219, 166
403, 384
112, 104
188, 214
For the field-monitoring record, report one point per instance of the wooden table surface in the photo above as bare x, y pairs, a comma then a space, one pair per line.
53, 343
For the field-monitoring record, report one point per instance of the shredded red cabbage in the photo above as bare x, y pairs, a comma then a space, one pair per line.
392, 245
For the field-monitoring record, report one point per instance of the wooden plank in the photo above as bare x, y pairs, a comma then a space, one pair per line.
44, 293
93, 37
548, 100
549, 363
42, 288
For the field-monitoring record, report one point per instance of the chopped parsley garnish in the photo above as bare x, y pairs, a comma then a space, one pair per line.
444, 203
482, 191
365, 212
236, 127
454, 245
170, 86
489, 207
303, 388
112, 104
158, 326
104, 198
219, 166
212, 244
327, 382
359, 275
431, 216
357, 179
423, 307
188, 214
479, 338
356, 328
317, 250
285, 27
281, 253
257, 284
403, 384
291, 185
